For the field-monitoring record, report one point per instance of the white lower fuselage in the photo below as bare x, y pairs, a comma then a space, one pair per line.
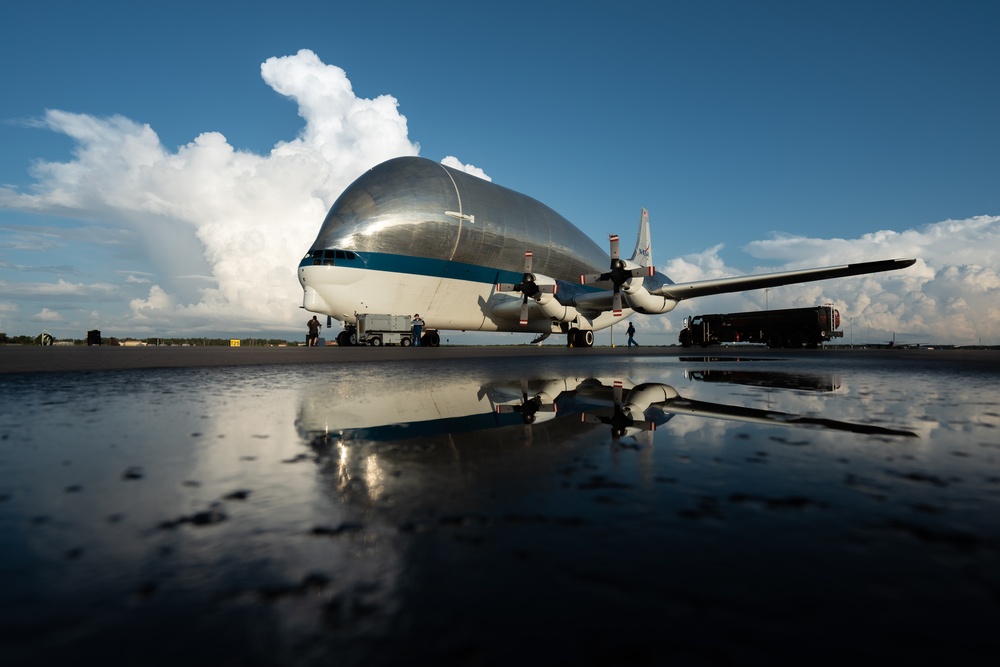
443, 303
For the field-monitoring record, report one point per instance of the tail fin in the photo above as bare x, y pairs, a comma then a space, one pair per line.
643, 255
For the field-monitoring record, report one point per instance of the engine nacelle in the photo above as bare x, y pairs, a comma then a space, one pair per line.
549, 305
645, 395
641, 301
542, 304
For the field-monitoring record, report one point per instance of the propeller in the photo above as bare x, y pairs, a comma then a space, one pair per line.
621, 419
528, 407
621, 272
528, 287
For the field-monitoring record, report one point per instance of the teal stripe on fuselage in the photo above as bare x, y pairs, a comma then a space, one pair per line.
442, 268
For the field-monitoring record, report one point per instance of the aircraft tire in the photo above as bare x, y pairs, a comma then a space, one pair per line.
431, 339
580, 338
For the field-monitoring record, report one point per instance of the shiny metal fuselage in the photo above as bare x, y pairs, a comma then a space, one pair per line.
414, 236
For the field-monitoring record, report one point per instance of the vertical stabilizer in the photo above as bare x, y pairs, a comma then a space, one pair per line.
643, 255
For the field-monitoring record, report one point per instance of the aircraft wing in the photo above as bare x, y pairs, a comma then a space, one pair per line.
684, 406
679, 291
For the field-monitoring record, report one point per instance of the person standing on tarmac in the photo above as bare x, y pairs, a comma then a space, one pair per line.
631, 333
418, 327
312, 340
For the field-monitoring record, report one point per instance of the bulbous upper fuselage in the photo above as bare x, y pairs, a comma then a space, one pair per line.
417, 208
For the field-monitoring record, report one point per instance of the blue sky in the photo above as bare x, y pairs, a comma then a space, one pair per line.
143, 147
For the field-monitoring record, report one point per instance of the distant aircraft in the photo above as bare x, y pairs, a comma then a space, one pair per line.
414, 236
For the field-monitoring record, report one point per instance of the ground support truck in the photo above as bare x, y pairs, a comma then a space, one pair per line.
792, 327
375, 330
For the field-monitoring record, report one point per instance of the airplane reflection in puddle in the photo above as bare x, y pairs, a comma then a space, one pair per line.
559, 408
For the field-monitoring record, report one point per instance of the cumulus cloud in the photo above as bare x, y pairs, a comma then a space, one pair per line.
472, 170
951, 295
209, 210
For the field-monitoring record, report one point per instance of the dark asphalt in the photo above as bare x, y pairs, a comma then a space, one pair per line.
261, 506
38, 359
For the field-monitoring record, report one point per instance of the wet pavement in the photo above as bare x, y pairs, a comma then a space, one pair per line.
481, 510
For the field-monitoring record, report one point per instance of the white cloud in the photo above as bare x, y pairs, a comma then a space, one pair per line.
243, 219
137, 279
948, 296
46, 315
59, 289
951, 295
472, 170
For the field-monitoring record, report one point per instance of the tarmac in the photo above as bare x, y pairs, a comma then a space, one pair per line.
483, 506
39, 359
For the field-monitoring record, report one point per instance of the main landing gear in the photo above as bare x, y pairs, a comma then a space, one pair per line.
580, 338
347, 337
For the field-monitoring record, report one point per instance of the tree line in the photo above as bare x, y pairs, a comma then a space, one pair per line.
192, 341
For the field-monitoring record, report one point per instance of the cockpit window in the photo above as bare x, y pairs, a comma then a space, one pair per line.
328, 257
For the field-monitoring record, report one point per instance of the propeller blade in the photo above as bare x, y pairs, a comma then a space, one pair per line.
527, 261
506, 287
618, 392
548, 289
617, 303
588, 278
524, 312
614, 246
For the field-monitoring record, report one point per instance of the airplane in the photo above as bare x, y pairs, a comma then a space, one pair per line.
414, 236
